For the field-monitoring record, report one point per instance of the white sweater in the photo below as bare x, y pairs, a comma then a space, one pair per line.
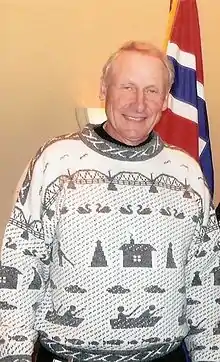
111, 249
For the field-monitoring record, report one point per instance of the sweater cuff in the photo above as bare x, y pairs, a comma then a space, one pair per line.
16, 358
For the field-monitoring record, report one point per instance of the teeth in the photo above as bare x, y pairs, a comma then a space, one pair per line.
135, 118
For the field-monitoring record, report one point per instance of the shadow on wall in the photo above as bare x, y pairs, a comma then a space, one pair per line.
21, 141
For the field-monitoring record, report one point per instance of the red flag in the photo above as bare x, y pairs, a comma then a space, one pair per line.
185, 122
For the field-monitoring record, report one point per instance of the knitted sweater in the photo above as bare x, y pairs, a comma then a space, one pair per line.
111, 251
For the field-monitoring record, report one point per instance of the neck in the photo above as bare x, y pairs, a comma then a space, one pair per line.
101, 132
116, 136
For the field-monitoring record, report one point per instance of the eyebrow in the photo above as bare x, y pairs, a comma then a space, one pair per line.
133, 83
128, 82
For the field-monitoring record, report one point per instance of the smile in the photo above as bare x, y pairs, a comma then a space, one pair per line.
137, 119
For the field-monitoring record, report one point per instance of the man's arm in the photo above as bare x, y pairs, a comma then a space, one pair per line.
19, 185
203, 286
23, 270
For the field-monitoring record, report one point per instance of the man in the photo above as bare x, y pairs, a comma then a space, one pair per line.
115, 259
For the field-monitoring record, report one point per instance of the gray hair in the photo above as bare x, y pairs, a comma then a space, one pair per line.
145, 49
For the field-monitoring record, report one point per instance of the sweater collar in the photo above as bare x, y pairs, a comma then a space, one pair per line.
120, 152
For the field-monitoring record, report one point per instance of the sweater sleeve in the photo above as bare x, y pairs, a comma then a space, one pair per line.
203, 286
24, 267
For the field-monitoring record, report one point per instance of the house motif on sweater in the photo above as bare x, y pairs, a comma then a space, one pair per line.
137, 255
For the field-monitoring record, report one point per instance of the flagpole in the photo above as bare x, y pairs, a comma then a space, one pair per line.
171, 19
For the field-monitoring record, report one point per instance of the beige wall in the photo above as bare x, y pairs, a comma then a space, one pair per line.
51, 53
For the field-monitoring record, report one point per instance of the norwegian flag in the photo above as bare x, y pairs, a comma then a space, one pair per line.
185, 123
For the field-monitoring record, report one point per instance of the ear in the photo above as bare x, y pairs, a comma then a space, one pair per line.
165, 103
102, 90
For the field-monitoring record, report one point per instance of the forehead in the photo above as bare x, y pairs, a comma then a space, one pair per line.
137, 66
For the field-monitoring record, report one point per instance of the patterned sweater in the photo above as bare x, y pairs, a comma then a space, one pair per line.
111, 251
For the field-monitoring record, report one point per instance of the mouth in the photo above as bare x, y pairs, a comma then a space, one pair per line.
134, 118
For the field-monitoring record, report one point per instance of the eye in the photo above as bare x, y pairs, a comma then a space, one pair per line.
151, 91
128, 88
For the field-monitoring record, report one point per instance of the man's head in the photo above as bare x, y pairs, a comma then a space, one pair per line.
135, 84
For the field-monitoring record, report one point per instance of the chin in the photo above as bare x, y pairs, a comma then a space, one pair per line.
139, 132
136, 138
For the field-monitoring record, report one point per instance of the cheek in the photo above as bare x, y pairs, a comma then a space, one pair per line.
156, 106
125, 101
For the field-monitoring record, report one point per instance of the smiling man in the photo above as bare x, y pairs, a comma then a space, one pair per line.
135, 86
111, 252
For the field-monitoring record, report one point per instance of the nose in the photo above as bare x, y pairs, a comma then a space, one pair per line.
140, 101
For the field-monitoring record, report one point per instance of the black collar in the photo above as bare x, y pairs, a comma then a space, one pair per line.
103, 134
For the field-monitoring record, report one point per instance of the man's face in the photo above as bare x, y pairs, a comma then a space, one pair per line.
135, 93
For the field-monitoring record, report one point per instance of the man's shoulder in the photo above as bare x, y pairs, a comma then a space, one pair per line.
180, 155
181, 162
57, 144
58, 141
